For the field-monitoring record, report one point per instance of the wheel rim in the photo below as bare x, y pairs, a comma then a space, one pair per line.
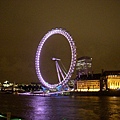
73, 57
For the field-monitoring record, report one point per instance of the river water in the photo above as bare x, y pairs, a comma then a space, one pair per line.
61, 108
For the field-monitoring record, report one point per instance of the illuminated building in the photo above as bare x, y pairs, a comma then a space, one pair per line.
107, 80
89, 83
112, 78
7, 84
113, 81
84, 66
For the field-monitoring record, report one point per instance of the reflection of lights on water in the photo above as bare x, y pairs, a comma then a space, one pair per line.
40, 108
113, 107
39, 105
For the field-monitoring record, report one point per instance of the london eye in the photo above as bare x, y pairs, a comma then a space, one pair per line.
63, 75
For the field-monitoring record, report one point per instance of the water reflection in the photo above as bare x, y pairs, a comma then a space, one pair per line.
108, 108
53, 108
61, 108
40, 108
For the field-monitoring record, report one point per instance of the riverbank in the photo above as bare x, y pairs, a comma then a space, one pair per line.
99, 93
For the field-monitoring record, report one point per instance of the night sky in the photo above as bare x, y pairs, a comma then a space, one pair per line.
93, 24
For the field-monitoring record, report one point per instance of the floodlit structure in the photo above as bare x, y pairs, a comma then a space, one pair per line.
7, 84
112, 78
89, 83
68, 74
113, 81
105, 81
84, 66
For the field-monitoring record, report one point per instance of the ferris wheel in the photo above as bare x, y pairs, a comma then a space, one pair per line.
63, 75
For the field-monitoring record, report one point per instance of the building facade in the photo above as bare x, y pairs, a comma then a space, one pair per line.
113, 79
105, 81
89, 83
84, 66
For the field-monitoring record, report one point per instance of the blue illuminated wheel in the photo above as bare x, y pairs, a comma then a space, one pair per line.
72, 63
